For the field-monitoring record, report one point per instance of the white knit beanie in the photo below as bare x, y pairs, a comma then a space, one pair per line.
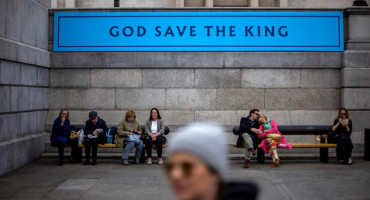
206, 141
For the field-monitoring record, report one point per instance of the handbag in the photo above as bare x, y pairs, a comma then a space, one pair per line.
73, 135
132, 138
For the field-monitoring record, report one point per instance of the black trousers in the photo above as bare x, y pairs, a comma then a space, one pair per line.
157, 143
91, 143
73, 143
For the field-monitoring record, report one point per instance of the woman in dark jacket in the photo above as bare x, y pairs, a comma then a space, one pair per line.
154, 130
61, 134
343, 128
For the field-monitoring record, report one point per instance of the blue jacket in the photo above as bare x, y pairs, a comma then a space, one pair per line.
60, 133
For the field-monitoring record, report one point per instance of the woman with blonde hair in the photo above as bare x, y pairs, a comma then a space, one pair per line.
128, 136
343, 128
272, 138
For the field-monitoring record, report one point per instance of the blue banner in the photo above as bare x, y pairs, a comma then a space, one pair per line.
198, 31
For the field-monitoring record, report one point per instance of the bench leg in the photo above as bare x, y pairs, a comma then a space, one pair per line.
260, 155
142, 157
78, 155
324, 155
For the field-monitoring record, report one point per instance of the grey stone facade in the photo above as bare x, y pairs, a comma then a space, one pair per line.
295, 88
24, 81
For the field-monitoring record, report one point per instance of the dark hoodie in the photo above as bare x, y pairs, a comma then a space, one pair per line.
239, 191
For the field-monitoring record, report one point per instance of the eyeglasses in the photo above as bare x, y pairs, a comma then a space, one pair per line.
343, 113
186, 168
256, 114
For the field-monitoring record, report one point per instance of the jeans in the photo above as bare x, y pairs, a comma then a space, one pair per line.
129, 146
248, 144
91, 143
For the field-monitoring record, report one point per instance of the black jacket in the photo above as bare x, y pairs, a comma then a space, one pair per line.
238, 191
246, 124
90, 128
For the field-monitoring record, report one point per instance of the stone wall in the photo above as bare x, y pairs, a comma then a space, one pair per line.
24, 81
295, 88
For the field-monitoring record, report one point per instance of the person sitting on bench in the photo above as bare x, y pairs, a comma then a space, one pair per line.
129, 133
95, 130
61, 134
272, 138
248, 135
343, 128
154, 130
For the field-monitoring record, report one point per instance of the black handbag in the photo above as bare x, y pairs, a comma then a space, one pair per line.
332, 137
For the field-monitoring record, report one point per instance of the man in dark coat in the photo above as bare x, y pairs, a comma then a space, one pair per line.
95, 130
248, 131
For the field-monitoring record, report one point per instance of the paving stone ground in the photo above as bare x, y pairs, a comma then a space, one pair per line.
42, 179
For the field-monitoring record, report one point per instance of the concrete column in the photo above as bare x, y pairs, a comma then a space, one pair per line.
70, 3
209, 3
283, 4
254, 3
180, 3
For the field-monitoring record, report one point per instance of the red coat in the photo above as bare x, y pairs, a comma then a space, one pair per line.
274, 129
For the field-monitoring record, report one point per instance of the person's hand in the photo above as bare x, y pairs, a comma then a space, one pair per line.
63, 120
340, 120
258, 131
131, 133
154, 138
95, 133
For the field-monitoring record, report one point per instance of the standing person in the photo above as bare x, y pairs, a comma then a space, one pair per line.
197, 166
95, 130
61, 135
248, 130
343, 128
128, 136
154, 130
270, 144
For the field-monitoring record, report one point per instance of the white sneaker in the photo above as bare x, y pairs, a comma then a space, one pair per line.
160, 161
149, 162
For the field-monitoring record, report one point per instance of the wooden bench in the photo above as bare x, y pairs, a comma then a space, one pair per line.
80, 146
299, 130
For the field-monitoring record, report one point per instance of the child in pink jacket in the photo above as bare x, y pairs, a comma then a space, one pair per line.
270, 145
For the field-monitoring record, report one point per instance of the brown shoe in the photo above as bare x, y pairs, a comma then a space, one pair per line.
273, 165
277, 161
246, 164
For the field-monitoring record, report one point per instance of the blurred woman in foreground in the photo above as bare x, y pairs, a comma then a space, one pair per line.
197, 166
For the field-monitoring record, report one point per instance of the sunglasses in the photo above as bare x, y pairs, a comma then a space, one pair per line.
343, 113
186, 168
256, 114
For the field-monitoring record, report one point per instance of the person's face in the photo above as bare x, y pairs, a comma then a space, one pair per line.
94, 120
64, 114
154, 114
343, 114
190, 177
255, 115
130, 119
261, 120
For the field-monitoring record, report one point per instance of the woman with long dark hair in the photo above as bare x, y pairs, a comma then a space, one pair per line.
154, 130
343, 128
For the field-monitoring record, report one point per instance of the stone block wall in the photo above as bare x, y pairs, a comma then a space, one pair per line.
24, 81
295, 88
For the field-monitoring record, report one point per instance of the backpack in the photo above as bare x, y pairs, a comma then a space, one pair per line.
111, 135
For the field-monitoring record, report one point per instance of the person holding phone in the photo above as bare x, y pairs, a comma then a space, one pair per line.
128, 136
342, 127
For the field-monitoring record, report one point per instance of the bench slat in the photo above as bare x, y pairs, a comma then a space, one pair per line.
304, 145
